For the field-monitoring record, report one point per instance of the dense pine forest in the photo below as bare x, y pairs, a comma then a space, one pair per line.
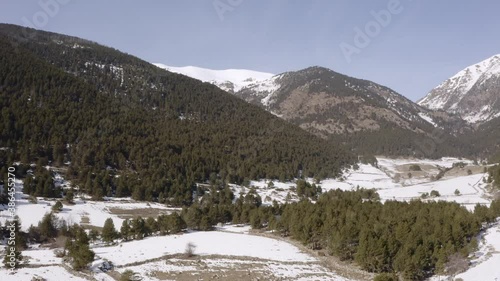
486, 140
128, 128
391, 140
415, 239
494, 173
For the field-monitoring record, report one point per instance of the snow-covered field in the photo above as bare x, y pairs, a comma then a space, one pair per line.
82, 212
49, 273
41, 257
391, 181
234, 269
207, 243
471, 188
217, 252
227, 252
230, 249
95, 212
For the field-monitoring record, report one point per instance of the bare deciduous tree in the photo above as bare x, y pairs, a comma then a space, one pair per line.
190, 247
456, 264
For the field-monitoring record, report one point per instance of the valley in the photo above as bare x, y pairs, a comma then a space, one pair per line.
125, 170
236, 250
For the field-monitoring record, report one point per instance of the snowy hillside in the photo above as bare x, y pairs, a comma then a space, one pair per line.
231, 80
472, 92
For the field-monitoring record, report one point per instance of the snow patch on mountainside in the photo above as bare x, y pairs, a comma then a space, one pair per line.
239, 78
268, 88
483, 114
427, 118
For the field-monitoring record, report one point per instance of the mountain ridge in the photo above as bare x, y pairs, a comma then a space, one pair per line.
330, 105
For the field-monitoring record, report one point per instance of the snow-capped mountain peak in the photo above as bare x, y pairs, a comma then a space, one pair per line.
231, 80
473, 92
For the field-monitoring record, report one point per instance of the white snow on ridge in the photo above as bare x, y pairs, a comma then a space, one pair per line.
269, 88
493, 70
240, 78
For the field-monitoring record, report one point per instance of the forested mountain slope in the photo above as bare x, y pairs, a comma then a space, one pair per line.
64, 99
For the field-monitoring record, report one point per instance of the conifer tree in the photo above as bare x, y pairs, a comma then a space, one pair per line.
47, 227
79, 250
108, 231
176, 223
125, 231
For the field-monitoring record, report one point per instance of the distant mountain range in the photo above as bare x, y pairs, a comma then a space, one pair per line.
459, 117
368, 117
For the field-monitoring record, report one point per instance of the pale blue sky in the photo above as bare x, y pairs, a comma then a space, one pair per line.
422, 44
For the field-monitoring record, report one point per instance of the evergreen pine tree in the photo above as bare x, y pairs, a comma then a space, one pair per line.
125, 230
108, 231
79, 250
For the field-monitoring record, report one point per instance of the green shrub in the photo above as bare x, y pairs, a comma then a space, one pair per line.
435, 193
58, 206
415, 167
